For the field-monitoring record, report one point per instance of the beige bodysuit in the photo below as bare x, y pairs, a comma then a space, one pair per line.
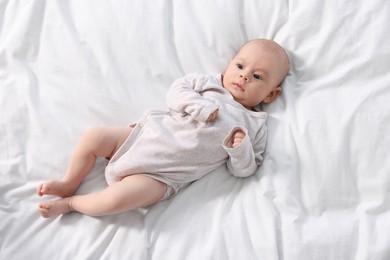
178, 147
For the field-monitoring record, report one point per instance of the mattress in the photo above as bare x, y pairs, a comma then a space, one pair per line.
323, 189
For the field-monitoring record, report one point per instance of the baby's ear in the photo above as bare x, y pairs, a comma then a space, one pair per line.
273, 95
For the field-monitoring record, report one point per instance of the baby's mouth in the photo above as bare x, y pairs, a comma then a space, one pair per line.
239, 86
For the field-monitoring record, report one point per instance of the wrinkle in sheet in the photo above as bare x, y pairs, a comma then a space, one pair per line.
322, 192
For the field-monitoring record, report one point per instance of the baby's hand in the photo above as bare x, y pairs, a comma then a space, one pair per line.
237, 138
212, 116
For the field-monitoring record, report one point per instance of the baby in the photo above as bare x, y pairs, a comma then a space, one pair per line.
212, 120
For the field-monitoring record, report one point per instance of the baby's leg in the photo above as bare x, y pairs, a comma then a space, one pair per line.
96, 142
132, 192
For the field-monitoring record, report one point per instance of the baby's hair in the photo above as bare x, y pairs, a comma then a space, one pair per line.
274, 47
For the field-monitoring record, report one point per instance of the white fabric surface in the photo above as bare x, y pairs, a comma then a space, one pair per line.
323, 189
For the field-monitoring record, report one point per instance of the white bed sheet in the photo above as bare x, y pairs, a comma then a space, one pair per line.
323, 190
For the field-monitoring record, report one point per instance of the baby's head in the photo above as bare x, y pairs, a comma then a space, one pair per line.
256, 72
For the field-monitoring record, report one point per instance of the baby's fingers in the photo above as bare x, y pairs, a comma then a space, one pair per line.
238, 137
212, 116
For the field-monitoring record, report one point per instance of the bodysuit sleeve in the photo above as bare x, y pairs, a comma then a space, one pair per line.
184, 97
244, 159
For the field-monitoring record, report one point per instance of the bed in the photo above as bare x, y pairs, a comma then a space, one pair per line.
323, 189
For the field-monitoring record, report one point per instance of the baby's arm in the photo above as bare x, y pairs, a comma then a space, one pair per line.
185, 97
244, 157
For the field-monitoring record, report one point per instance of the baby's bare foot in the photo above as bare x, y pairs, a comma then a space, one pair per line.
58, 188
50, 209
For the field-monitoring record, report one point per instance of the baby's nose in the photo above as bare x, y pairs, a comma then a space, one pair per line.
244, 77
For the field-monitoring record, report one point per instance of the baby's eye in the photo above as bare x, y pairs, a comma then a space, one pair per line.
256, 76
240, 66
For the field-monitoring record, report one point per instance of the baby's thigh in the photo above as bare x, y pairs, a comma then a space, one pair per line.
120, 135
105, 141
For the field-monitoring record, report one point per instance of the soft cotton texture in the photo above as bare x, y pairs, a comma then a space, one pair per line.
323, 189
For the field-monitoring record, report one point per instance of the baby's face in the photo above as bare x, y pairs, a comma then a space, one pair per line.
253, 76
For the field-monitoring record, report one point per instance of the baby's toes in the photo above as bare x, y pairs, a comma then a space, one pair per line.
44, 207
43, 211
39, 190
44, 189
